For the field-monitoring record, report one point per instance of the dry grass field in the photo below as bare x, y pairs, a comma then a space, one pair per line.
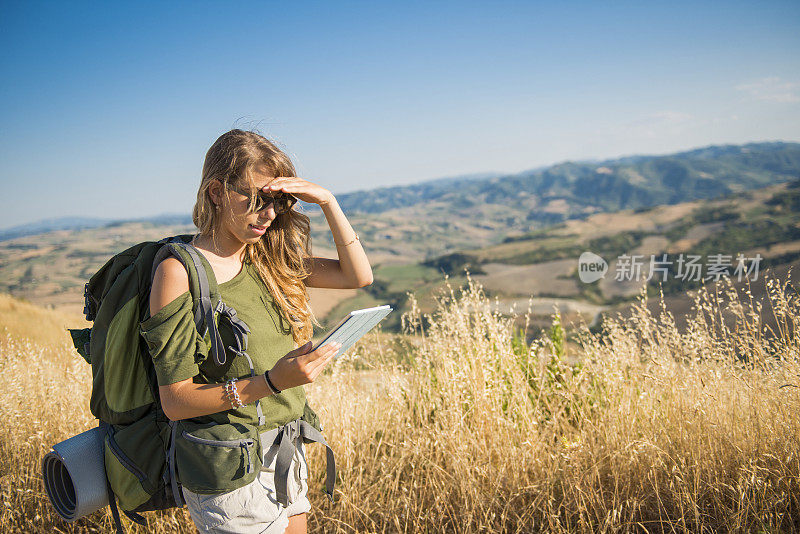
540, 278
459, 426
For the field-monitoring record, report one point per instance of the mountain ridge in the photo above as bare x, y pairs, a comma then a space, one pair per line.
621, 184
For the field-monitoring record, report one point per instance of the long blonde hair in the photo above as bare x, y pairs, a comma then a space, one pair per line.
279, 255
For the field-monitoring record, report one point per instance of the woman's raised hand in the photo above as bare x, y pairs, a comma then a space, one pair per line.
300, 188
300, 366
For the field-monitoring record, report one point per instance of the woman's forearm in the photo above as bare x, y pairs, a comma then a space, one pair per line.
186, 399
352, 258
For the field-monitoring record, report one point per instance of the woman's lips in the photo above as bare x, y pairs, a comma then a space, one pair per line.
258, 229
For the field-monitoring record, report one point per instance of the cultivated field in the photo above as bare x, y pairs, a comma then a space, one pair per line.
459, 426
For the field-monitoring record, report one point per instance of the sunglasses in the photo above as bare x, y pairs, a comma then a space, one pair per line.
281, 202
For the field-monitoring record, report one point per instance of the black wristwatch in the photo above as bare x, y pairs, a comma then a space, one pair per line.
270, 385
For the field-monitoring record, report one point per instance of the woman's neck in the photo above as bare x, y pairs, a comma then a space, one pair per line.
224, 248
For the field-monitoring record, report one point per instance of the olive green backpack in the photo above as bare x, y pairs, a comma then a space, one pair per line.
139, 438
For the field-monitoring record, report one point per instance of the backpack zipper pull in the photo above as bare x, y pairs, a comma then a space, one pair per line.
246, 446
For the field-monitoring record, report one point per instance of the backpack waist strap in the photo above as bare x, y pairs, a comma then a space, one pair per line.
286, 435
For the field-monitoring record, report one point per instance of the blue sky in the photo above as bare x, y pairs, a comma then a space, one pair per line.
107, 109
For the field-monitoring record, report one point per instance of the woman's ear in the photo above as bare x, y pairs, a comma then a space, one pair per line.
215, 192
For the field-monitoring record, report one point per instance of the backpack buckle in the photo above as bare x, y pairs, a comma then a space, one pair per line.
88, 304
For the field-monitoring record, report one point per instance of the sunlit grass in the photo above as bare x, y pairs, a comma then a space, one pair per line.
460, 426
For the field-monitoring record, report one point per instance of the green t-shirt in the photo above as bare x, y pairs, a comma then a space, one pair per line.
179, 352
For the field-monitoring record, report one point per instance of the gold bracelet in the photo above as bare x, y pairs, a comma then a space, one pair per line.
350, 243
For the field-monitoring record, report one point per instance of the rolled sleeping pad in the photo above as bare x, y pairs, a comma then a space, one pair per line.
74, 475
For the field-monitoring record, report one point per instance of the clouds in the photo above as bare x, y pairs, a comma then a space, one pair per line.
772, 89
657, 124
660, 118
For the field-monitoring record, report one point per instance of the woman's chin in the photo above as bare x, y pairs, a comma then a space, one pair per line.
252, 239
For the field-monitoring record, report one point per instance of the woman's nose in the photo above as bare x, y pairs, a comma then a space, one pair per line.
269, 210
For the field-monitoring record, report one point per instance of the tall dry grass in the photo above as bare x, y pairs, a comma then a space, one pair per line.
463, 427
656, 430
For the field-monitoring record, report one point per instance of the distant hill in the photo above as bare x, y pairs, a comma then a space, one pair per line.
85, 223
615, 184
543, 196
401, 196
447, 217
543, 264
519, 234
50, 225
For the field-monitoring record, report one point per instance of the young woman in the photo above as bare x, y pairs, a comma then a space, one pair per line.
258, 246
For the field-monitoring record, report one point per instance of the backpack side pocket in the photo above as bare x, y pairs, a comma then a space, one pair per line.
217, 458
135, 461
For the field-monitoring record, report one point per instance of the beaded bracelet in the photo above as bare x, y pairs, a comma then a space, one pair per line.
233, 394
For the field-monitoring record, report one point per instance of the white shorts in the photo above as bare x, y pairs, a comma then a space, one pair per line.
254, 507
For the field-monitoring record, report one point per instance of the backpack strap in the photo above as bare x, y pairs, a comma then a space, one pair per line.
177, 494
203, 287
206, 308
286, 436
166, 251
